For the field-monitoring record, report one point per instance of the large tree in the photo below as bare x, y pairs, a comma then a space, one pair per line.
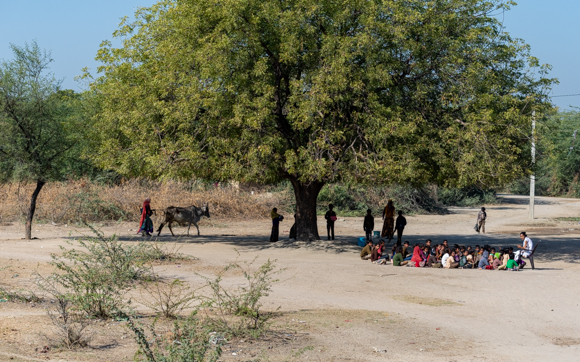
34, 134
317, 91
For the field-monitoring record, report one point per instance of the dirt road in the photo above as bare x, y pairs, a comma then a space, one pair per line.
343, 308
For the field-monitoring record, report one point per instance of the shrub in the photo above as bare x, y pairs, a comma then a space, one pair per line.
189, 341
168, 299
70, 324
238, 312
97, 278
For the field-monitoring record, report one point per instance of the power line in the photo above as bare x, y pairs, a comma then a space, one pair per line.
567, 95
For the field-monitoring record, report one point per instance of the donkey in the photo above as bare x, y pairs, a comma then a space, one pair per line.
182, 215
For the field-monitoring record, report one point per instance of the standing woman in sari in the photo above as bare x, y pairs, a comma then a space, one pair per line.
146, 225
389, 221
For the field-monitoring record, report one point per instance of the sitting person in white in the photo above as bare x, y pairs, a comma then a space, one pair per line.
525, 249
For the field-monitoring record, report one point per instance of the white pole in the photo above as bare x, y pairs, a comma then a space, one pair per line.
533, 176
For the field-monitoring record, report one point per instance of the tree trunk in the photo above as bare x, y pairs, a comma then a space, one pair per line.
306, 196
32, 209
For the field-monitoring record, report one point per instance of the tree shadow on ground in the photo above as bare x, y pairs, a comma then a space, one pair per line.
551, 248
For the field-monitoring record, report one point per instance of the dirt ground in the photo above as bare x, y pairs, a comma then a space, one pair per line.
336, 307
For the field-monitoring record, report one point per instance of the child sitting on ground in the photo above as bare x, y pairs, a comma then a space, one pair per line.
366, 252
512, 264
398, 258
484, 261
496, 261
504, 259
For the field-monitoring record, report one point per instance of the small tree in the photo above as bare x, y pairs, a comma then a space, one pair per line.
33, 135
318, 91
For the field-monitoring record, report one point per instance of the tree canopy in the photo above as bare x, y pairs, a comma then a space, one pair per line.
34, 135
374, 91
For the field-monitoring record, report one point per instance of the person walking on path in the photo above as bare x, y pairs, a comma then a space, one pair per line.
369, 225
481, 217
400, 226
389, 221
146, 225
330, 217
275, 225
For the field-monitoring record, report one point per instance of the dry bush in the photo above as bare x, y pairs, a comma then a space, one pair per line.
71, 201
168, 298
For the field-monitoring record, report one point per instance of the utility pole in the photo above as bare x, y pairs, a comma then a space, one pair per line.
533, 176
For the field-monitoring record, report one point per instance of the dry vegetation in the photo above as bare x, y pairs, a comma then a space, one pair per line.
71, 201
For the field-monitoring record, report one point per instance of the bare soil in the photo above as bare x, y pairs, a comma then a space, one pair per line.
334, 306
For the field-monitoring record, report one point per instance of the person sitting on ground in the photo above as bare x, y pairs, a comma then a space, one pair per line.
398, 258
463, 259
366, 252
450, 263
525, 249
477, 255
469, 262
426, 254
369, 224
512, 264
469, 248
406, 251
496, 261
378, 251
431, 261
504, 259
417, 257
446, 255
484, 261
428, 244
491, 256
446, 244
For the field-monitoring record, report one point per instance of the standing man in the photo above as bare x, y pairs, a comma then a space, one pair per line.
369, 225
525, 249
481, 217
399, 226
330, 217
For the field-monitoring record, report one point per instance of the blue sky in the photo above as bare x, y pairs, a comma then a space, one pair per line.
73, 30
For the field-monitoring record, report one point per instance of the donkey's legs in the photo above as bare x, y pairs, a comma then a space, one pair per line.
197, 228
188, 226
170, 229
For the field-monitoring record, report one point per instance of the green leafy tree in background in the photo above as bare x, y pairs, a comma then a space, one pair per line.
34, 134
371, 92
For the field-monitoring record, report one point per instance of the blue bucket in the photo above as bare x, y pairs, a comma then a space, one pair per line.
362, 241
377, 234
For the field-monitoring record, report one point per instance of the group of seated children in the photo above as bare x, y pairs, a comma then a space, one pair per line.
444, 256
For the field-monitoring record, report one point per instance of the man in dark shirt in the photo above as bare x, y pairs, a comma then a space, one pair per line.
400, 226
369, 225
330, 217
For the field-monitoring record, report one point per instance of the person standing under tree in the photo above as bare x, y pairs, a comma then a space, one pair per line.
389, 221
275, 225
481, 217
400, 226
369, 225
330, 217
146, 225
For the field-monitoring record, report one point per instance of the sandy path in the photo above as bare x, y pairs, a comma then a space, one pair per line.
486, 315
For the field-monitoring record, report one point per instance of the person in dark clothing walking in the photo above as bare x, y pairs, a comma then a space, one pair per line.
330, 217
275, 225
369, 225
400, 226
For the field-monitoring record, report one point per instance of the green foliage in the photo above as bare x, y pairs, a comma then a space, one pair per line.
558, 164
372, 92
238, 312
466, 197
97, 277
369, 91
189, 341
